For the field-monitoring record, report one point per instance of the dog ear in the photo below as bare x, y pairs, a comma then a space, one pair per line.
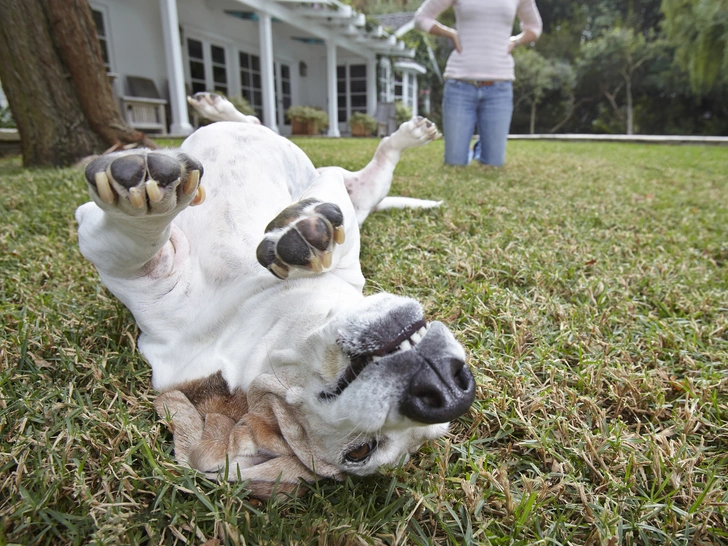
267, 446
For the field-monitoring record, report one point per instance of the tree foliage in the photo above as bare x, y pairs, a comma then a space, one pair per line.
699, 31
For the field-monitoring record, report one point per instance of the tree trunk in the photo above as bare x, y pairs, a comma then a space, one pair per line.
628, 90
56, 83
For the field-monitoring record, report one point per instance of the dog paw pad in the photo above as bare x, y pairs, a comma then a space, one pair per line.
141, 181
302, 236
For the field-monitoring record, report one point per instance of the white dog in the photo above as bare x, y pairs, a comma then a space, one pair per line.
267, 377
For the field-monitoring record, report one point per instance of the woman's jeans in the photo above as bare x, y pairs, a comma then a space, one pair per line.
465, 106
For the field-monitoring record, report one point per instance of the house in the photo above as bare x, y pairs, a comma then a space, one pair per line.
274, 53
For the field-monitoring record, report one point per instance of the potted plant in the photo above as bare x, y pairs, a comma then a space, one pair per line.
362, 125
307, 120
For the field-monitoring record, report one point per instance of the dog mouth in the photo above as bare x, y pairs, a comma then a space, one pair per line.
406, 340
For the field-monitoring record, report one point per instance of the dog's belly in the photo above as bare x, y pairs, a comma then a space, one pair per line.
219, 313
251, 174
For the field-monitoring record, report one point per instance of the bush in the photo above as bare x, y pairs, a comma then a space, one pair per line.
365, 121
6, 118
242, 105
402, 113
308, 113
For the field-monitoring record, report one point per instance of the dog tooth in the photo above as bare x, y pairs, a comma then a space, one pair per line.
405, 345
136, 197
316, 264
326, 259
104, 188
155, 196
199, 197
416, 338
422, 331
339, 235
192, 182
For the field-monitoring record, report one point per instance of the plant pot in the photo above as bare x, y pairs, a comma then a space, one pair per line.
359, 131
304, 127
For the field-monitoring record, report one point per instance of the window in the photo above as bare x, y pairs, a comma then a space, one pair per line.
202, 57
351, 90
102, 35
282, 74
197, 66
219, 70
250, 82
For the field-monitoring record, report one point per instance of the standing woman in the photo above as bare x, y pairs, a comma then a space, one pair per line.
479, 73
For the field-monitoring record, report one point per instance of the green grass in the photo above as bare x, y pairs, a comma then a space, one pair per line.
588, 282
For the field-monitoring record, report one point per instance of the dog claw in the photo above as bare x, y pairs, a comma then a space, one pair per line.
199, 197
339, 235
316, 264
155, 196
136, 197
192, 182
326, 259
279, 271
104, 188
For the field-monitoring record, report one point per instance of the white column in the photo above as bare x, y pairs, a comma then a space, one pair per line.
372, 86
175, 70
331, 88
414, 94
266, 71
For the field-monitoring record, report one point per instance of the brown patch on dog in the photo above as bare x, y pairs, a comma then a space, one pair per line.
212, 395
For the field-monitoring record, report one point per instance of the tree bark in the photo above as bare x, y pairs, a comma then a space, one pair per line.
56, 84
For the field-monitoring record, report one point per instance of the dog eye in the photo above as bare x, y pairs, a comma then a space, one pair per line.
360, 453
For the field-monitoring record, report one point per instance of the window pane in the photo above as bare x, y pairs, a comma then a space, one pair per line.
358, 71
358, 86
256, 63
244, 60
219, 74
258, 98
221, 90
285, 71
256, 81
341, 72
197, 70
197, 87
244, 79
194, 48
358, 100
218, 55
104, 52
99, 21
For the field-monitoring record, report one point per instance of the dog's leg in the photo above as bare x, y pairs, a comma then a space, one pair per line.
136, 196
217, 108
369, 186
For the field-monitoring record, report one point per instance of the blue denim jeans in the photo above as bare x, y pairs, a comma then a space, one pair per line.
489, 108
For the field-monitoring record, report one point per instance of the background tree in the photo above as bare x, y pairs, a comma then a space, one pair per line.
699, 31
536, 77
56, 84
612, 62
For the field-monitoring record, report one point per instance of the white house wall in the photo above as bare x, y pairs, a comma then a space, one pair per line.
136, 47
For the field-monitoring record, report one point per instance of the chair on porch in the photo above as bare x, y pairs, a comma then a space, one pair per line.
144, 108
386, 119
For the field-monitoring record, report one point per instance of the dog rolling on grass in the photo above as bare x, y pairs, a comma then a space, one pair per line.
271, 364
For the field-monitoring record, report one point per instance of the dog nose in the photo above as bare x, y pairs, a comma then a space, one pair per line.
439, 392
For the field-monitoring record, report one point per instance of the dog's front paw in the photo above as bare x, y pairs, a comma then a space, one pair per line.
416, 132
302, 236
141, 182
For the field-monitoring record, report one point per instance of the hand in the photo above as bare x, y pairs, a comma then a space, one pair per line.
514, 41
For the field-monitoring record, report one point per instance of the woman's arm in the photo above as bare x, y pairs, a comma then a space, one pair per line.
426, 19
531, 24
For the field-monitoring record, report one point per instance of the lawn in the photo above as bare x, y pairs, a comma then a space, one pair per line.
588, 283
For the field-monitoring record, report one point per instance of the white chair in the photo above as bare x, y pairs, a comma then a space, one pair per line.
143, 108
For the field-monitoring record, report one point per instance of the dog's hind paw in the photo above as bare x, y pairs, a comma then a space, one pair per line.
302, 236
140, 182
416, 132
